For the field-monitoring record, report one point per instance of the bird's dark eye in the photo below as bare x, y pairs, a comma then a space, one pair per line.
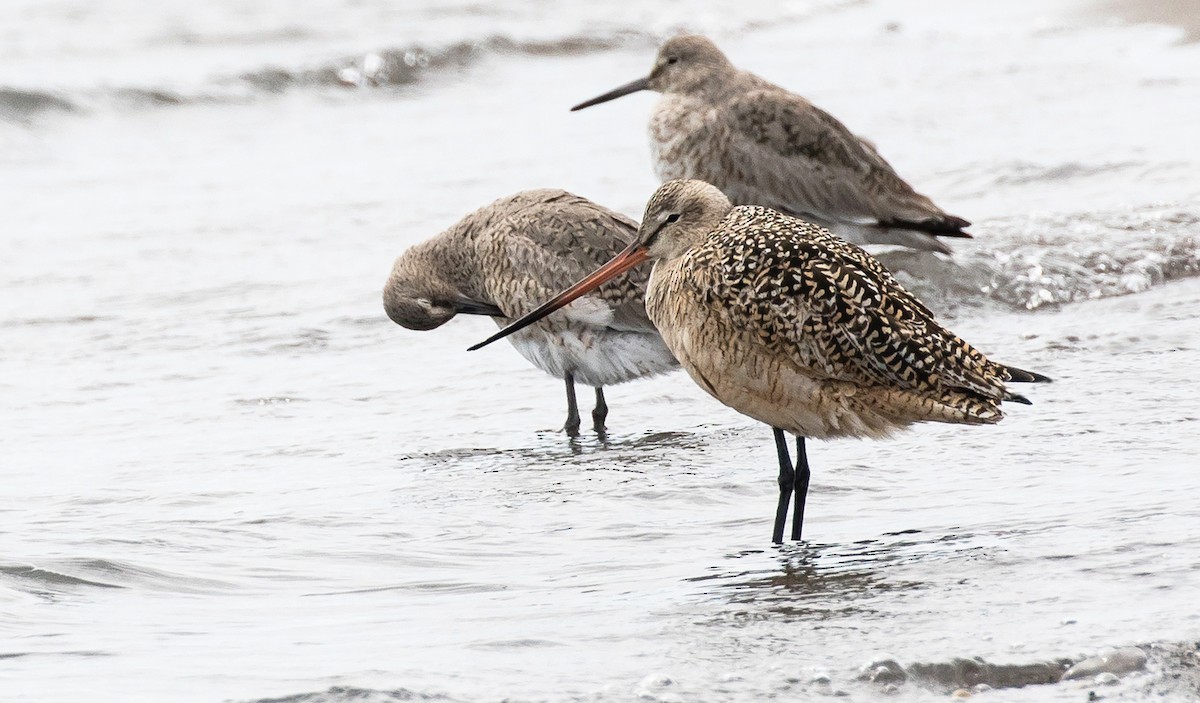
673, 217
672, 59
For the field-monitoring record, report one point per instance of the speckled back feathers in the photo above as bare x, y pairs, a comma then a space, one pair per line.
832, 313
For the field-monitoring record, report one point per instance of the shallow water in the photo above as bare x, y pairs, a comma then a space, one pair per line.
230, 477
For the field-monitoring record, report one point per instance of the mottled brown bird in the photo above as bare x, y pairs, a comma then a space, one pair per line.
502, 259
762, 145
782, 321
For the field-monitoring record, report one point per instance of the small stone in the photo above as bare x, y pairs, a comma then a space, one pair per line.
882, 671
981, 688
652, 681
373, 64
349, 76
1107, 679
891, 689
650, 687
961, 693
821, 679
1114, 661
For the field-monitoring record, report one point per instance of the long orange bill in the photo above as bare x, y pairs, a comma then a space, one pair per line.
631, 256
631, 87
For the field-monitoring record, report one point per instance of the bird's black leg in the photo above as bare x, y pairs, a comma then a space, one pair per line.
802, 476
600, 412
572, 426
787, 479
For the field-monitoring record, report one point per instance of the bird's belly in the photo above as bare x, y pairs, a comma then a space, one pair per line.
595, 357
744, 375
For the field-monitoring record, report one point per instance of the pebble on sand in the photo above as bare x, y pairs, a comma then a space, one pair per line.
1107, 679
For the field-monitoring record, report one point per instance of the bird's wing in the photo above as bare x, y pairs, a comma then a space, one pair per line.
792, 156
837, 313
547, 245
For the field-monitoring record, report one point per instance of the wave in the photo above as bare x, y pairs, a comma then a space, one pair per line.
389, 68
40, 580
338, 694
1171, 667
478, 30
67, 575
403, 66
19, 105
1162, 671
1052, 260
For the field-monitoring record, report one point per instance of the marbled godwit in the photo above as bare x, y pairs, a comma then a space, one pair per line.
502, 259
784, 322
763, 145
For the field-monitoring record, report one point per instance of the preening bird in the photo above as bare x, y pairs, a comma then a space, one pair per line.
502, 259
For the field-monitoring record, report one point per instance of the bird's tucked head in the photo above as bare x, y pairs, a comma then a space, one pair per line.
686, 64
679, 215
418, 297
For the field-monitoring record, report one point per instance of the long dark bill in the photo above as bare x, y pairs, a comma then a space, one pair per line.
631, 256
466, 306
635, 86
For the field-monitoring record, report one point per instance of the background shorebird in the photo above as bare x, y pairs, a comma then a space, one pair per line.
762, 145
782, 321
503, 258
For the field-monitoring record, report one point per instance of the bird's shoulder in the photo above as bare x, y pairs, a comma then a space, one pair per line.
558, 236
787, 125
763, 251
778, 149
545, 241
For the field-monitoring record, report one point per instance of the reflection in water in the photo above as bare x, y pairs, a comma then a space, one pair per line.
813, 581
608, 452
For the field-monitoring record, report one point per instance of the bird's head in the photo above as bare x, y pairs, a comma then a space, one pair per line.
416, 296
680, 214
686, 64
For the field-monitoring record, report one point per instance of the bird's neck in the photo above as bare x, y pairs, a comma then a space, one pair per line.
716, 87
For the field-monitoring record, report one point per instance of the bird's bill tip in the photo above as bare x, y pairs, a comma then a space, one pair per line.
631, 87
484, 343
631, 256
